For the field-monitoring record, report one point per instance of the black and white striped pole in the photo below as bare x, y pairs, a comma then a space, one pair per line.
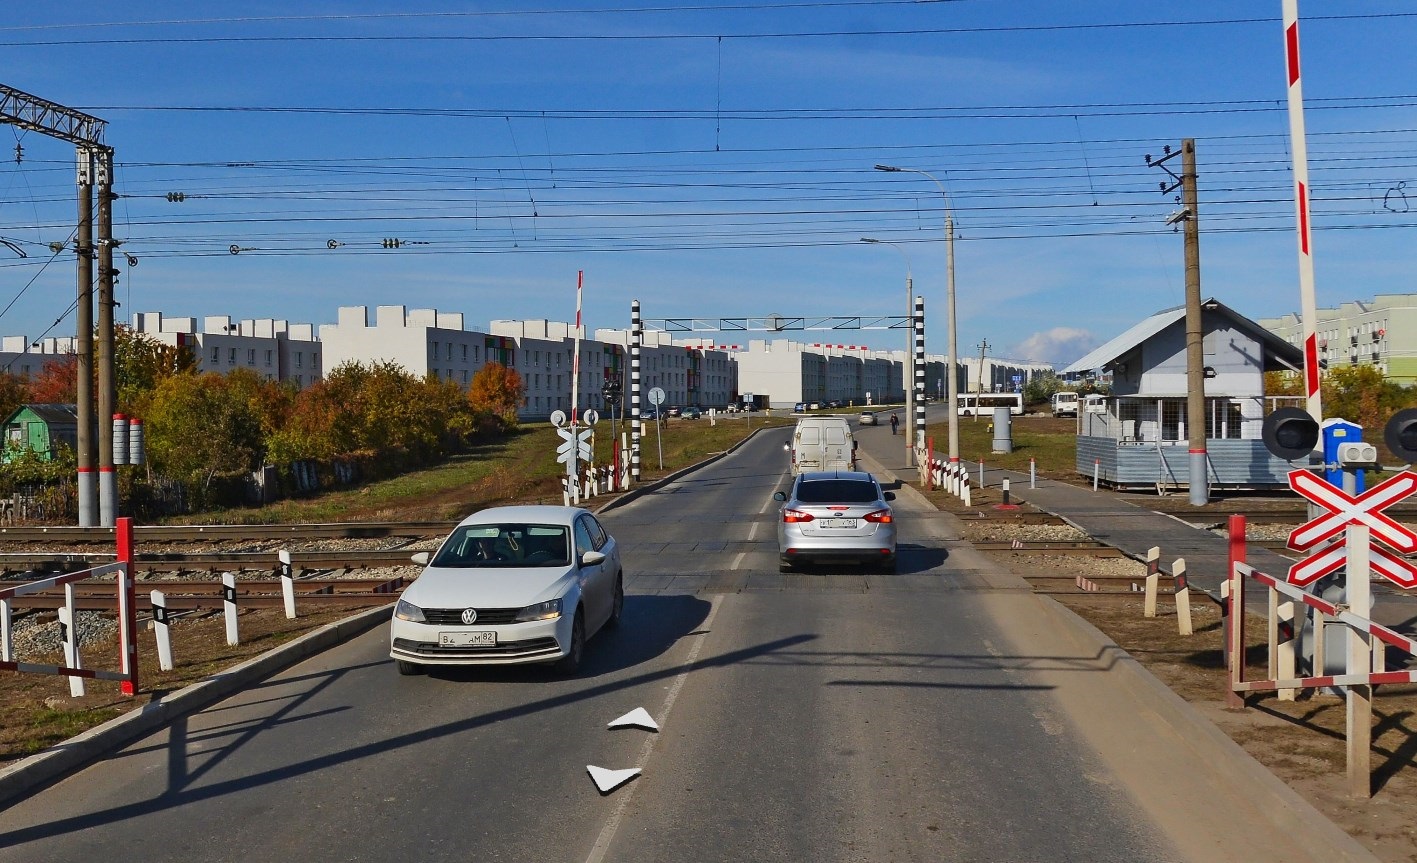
920, 437
636, 336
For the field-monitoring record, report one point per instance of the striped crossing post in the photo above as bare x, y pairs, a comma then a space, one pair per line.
1298, 145
920, 371
636, 337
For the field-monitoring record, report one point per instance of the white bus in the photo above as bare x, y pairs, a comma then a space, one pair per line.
971, 404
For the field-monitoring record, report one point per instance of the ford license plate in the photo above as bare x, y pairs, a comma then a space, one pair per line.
481, 638
839, 523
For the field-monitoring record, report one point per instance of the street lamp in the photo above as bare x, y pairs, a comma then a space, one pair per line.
908, 370
951, 385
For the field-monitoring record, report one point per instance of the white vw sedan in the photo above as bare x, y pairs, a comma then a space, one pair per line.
511, 584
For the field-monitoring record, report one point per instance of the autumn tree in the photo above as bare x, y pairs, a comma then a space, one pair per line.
141, 361
497, 390
200, 427
14, 391
57, 381
1363, 395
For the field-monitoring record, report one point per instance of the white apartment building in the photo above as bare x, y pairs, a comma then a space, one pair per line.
421, 341
1381, 332
19, 356
274, 349
690, 372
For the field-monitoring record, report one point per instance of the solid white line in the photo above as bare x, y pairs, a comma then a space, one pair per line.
607, 834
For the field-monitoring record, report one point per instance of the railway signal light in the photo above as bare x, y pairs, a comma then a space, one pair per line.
1401, 435
1290, 433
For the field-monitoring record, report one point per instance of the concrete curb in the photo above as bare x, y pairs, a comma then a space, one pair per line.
77, 752
1286, 809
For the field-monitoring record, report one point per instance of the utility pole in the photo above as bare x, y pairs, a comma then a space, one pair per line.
107, 397
1195, 345
85, 132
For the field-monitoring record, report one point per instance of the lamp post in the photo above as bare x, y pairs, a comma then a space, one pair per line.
951, 385
907, 378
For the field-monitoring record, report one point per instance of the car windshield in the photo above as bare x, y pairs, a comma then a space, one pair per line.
504, 545
836, 491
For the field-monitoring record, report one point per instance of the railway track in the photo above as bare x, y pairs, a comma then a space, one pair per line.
223, 532
209, 561
189, 595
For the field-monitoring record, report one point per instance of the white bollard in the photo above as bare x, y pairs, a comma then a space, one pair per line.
1032, 473
287, 583
162, 630
228, 601
1183, 598
7, 633
1285, 651
1153, 580
71, 640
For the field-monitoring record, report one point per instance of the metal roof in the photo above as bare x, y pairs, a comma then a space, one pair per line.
1278, 353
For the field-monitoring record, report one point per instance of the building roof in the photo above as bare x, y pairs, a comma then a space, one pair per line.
1278, 353
52, 414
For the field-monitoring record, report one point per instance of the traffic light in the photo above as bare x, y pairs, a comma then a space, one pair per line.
1401, 435
1290, 433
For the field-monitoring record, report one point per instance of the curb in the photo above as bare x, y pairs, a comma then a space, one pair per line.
60, 760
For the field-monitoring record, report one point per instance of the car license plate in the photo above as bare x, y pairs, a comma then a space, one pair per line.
481, 638
839, 523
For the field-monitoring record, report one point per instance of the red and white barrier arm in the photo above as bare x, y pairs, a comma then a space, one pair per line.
59, 580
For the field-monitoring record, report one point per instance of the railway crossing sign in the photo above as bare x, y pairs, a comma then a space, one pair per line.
1344, 509
574, 443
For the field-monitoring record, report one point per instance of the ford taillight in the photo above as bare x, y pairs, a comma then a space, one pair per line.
792, 516
880, 516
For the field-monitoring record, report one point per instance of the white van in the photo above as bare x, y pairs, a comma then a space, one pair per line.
822, 443
1065, 404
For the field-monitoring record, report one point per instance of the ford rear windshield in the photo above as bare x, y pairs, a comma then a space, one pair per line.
836, 491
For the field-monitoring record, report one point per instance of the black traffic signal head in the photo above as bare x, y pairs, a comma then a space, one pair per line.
1401, 435
1290, 433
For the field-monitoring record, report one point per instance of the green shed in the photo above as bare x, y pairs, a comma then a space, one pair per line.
41, 428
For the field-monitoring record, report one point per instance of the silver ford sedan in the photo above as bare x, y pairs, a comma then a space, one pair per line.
511, 584
836, 517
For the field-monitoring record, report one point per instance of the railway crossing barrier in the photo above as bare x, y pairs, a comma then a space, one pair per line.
122, 572
1365, 667
953, 479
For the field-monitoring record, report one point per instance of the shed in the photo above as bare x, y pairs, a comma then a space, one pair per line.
41, 428
1137, 437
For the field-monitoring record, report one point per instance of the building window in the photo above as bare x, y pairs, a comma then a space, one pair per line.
268, 357
250, 356
231, 357
216, 355
464, 353
299, 360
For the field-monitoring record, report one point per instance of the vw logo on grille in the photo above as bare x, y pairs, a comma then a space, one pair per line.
469, 615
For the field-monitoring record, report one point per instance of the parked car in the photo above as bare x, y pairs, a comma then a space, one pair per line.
799, 408
868, 419
511, 584
673, 411
836, 516
691, 413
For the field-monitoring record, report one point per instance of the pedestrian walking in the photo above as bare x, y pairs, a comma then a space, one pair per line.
895, 421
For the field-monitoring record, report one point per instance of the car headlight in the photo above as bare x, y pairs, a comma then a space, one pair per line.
406, 610
548, 610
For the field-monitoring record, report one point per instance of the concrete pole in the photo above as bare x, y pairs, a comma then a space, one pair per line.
83, 340
636, 334
107, 397
1195, 345
952, 366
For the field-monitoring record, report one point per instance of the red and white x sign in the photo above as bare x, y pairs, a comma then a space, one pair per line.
1384, 563
1345, 509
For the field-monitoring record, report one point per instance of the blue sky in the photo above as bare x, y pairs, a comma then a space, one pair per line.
713, 161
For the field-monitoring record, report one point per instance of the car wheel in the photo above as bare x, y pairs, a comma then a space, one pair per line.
617, 605
571, 662
407, 668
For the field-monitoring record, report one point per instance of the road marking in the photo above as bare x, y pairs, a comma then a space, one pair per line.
622, 802
752, 535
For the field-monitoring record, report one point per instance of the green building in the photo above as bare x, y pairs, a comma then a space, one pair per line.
42, 428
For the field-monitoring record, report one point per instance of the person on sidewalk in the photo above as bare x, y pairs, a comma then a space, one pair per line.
895, 421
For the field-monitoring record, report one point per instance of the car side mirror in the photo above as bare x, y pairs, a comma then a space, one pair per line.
787, 447
421, 558
591, 558
779, 495
890, 495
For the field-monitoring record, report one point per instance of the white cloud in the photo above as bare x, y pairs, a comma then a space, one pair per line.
1059, 346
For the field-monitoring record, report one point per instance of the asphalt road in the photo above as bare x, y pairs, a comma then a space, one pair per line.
825, 716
